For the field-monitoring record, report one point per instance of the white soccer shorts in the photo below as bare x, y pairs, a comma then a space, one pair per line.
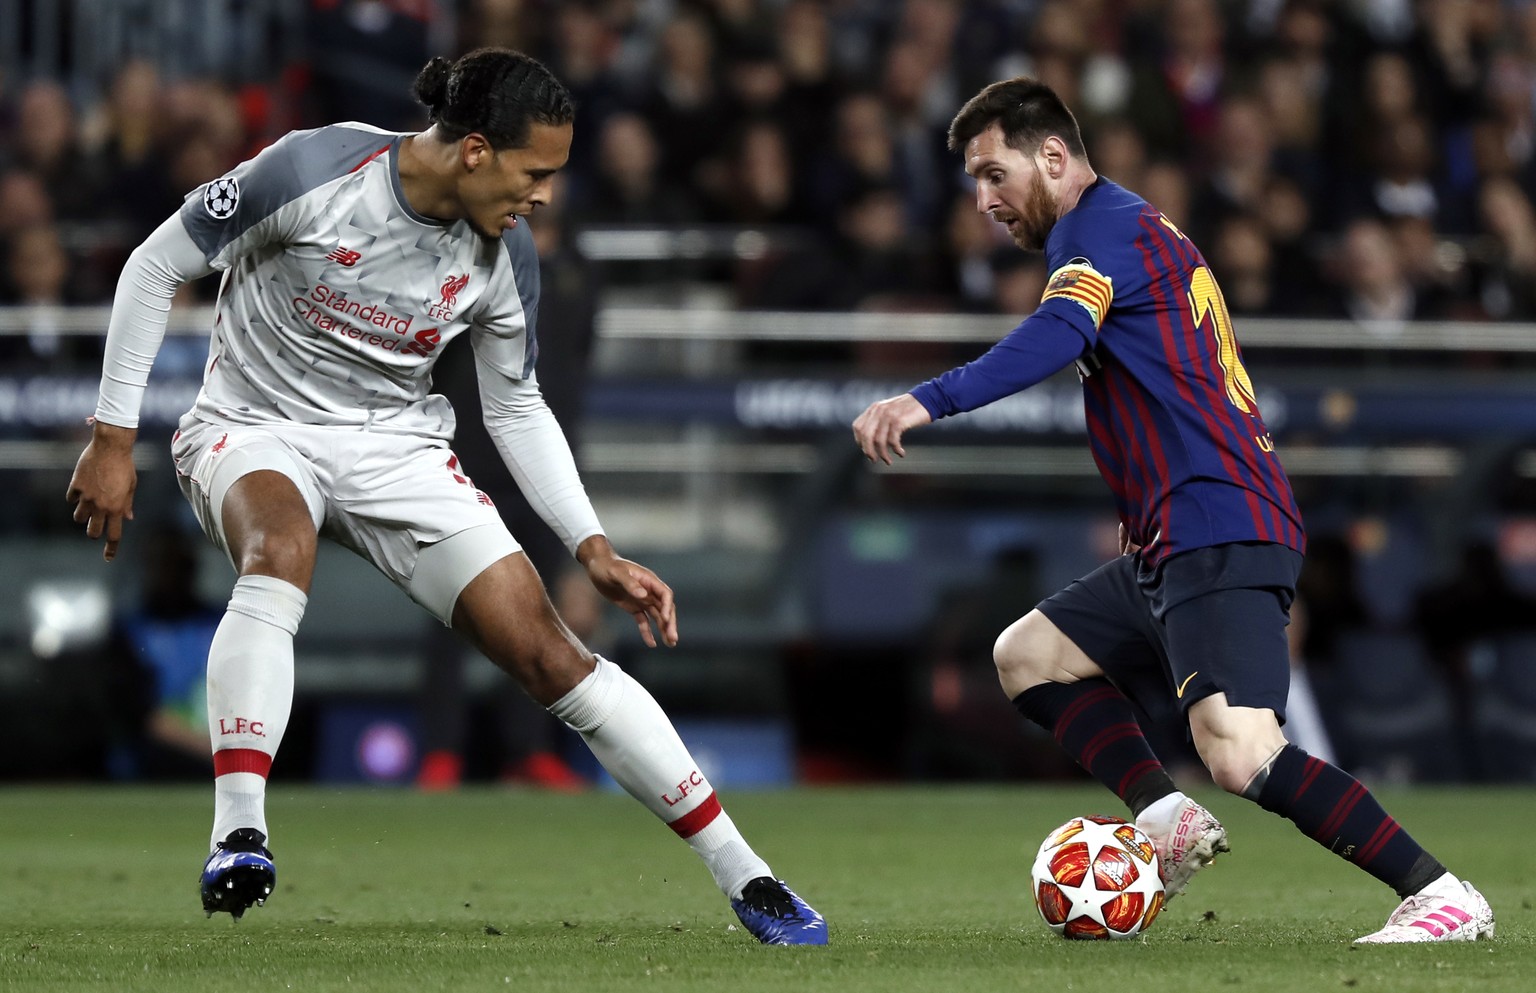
400, 501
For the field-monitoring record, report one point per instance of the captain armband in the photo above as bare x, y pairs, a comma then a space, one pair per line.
1085, 286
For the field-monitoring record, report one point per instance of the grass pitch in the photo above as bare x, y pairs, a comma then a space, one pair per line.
923, 888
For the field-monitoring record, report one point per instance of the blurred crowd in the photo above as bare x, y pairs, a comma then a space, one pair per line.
1369, 159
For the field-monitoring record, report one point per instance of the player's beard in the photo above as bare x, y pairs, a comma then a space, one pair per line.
1037, 217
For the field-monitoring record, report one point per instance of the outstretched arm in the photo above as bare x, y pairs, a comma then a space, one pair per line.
536, 453
534, 448
104, 480
1041, 345
140, 309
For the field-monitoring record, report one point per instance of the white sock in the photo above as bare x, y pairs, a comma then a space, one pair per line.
1160, 813
631, 736
250, 693
1446, 885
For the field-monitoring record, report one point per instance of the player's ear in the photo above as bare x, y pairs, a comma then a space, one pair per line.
475, 151
1054, 153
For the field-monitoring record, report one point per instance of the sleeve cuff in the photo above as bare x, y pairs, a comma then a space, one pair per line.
932, 398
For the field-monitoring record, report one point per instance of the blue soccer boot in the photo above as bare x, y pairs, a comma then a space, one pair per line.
776, 916
238, 873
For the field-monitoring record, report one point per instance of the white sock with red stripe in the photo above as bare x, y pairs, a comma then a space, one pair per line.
633, 739
250, 693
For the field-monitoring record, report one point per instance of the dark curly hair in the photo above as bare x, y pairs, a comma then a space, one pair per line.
496, 92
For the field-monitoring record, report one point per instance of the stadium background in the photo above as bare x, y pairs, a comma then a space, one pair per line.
761, 231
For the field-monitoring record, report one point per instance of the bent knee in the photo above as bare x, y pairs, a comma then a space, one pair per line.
1234, 742
548, 672
1017, 649
285, 554
1032, 650
1232, 770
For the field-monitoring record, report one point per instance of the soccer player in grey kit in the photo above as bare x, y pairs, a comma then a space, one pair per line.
350, 256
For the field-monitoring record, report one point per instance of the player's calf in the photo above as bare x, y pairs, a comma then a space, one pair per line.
633, 739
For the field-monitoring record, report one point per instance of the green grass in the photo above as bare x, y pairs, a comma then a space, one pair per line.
924, 889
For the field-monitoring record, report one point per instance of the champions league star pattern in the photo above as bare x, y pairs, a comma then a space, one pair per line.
343, 294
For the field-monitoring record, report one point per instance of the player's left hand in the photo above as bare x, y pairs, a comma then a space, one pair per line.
636, 589
879, 429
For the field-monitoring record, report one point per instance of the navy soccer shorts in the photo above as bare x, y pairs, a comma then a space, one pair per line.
1211, 620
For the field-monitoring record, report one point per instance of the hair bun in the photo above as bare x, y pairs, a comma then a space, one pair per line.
431, 85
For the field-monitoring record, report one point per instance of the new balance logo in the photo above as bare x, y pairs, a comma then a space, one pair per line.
345, 257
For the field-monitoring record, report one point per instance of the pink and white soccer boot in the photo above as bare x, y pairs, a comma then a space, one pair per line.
1446, 910
1188, 838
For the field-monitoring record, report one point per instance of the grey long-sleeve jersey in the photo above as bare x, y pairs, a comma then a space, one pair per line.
336, 300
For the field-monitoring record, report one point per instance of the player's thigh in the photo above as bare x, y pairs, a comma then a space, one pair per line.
1224, 626
269, 529
406, 506
255, 495
1230, 642
1097, 625
1231, 666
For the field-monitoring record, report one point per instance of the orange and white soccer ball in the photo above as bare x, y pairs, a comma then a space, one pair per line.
1098, 878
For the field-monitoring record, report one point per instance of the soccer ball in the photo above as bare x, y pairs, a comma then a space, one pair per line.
1098, 878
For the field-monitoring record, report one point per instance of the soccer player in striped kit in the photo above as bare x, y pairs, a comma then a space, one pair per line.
1191, 617
351, 256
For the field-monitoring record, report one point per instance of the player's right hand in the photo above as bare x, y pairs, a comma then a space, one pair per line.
102, 487
879, 429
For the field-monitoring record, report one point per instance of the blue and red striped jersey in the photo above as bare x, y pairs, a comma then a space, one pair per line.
1172, 418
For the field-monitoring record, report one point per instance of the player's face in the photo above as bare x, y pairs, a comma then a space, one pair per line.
510, 183
1011, 188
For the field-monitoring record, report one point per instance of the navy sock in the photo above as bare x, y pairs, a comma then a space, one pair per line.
1332, 808
1094, 722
